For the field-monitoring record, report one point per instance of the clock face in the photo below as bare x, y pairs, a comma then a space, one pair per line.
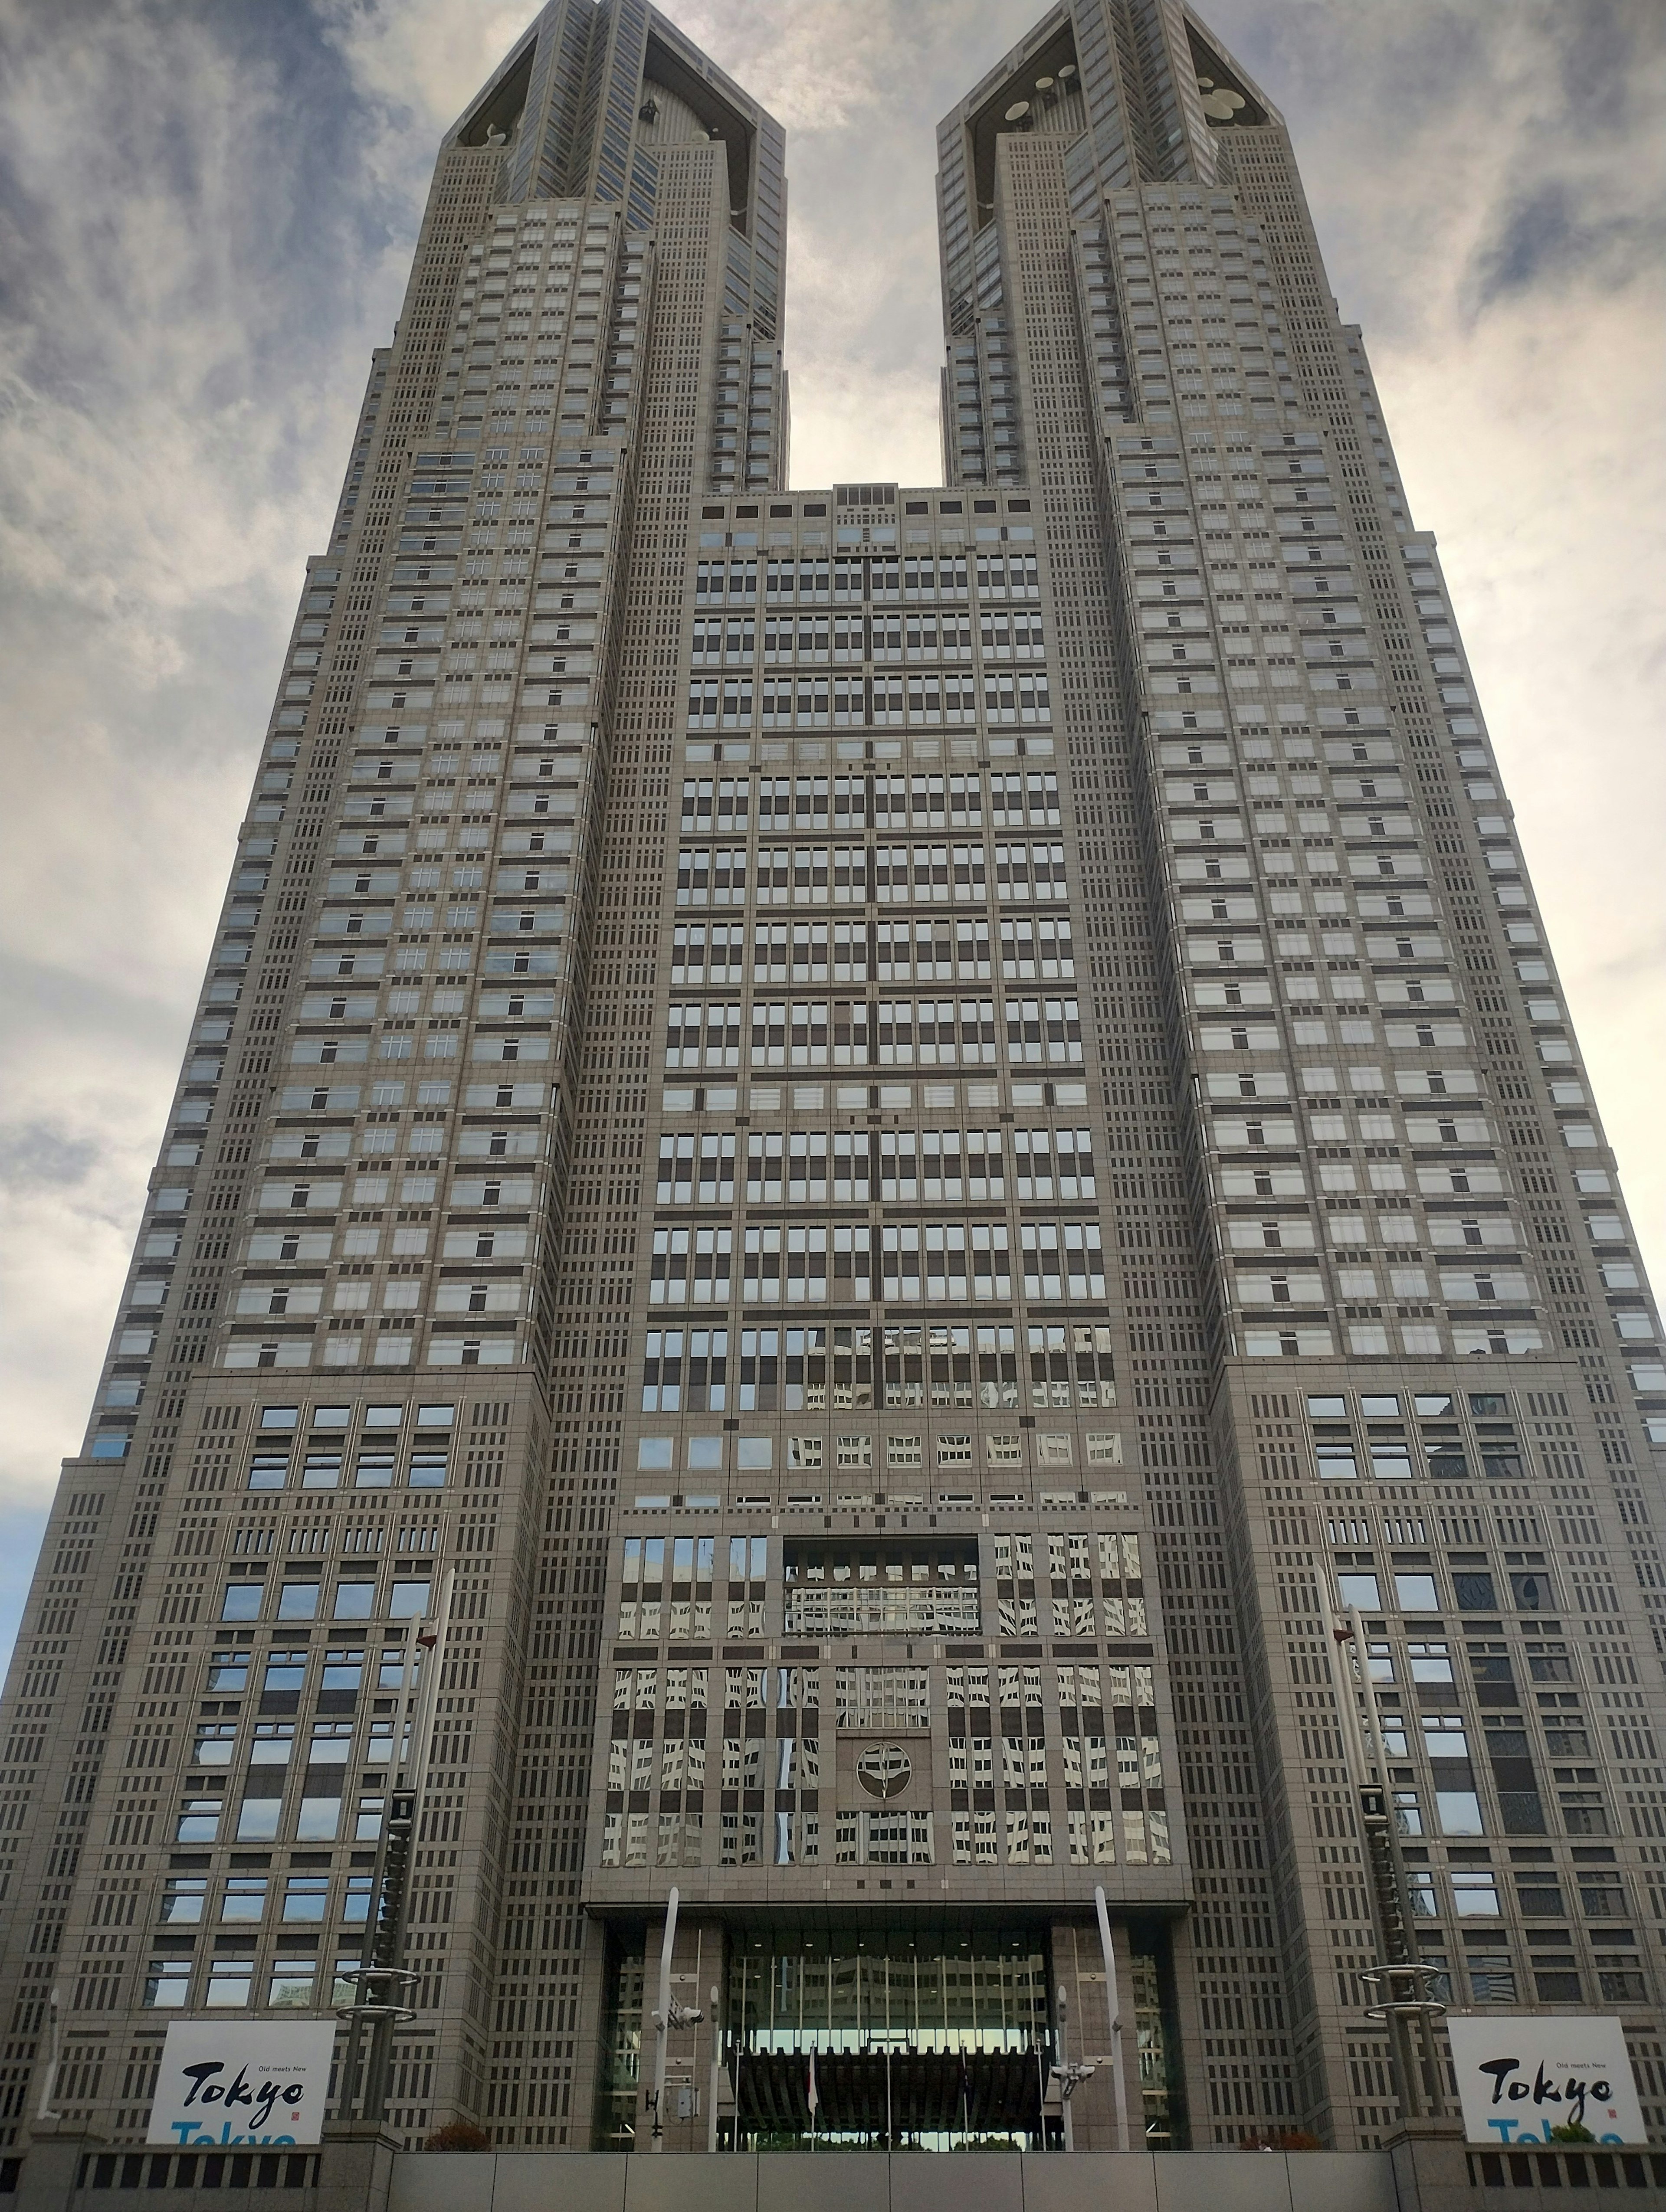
885, 1771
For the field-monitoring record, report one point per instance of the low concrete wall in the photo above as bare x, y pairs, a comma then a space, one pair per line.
856, 2181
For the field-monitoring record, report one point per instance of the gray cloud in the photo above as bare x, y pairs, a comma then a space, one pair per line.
35, 1154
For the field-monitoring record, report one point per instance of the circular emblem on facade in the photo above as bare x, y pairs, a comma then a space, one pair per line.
884, 1771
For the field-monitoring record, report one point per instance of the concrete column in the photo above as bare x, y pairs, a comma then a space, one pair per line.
1079, 1970
50, 2162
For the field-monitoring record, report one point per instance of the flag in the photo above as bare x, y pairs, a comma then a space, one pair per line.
811, 2098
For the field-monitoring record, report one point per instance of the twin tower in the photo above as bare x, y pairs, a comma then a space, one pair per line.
891, 1150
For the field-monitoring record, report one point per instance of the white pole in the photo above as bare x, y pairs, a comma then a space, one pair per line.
662, 2022
1114, 2006
716, 2074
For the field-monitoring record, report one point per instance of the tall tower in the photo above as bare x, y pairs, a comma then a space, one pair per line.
978, 1065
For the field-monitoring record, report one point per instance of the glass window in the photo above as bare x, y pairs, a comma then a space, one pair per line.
1459, 1813
355, 1902
229, 1981
354, 1601
273, 1742
1416, 1593
292, 1984
1444, 1736
383, 1417
1359, 1589
1540, 1895
256, 1819
1408, 1812
168, 1983
241, 1601
1434, 1408
213, 1743
1429, 1662
1532, 1593
409, 1600
277, 1417
298, 1601
228, 1671
343, 1670
1475, 1593
305, 1896
1491, 1977
318, 1820
1422, 1889
198, 1821
1380, 1408
245, 1897
1474, 1893
182, 1900
285, 1674
1328, 1409
1486, 1407
1391, 1462
1619, 1986
1337, 1462
332, 1417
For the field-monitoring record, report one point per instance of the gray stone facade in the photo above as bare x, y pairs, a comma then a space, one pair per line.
908, 1134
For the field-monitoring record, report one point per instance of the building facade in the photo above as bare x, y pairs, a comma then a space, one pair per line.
905, 1134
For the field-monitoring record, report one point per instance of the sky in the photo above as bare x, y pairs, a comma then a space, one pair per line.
206, 216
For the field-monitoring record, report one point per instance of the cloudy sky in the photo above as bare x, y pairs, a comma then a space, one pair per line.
206, 213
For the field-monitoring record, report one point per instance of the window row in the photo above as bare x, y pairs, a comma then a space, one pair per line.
859, 576
851, 1166
299, 1597
941, 951
856, 875
670, 1838
933, 634
867, 1696
888, 1033
883, 797
303, 1899
945, 1366
901, 1260
323, 1811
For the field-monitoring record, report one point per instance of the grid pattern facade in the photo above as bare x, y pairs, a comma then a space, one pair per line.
912, 1129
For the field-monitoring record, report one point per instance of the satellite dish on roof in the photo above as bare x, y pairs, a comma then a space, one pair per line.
1018, 111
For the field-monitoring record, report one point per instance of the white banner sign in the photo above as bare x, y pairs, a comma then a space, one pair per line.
1519, 2077
247, 2082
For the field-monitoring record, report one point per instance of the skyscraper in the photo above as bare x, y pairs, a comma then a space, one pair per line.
909, 1136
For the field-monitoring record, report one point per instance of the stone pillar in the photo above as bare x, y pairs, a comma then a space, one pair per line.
1431, 2172
1079, 1970
50, 2163
356, 2173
